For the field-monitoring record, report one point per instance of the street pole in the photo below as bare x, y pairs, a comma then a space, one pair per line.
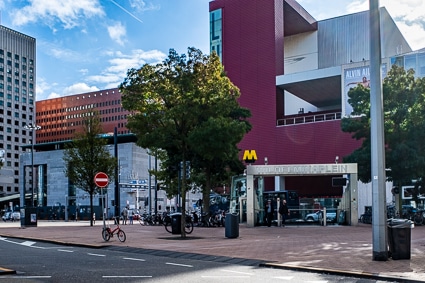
32, 128
149, 185
156, 187
379, 215
117, 189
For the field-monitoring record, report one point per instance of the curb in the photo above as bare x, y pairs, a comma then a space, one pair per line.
365, 275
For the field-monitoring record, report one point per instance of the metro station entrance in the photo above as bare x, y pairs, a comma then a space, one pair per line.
251, 187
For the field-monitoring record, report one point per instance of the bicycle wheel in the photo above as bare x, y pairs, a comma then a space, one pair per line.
188, 227
105, 234
121, 235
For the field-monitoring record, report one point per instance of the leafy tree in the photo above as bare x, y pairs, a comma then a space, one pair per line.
404, 125
216, 155
186, 108
86, 155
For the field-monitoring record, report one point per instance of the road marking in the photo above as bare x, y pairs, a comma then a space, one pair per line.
137, 259
95, 254
284, 277
238, 272
26, 277
178, 264
66, 251
224, 276
28, 243
127, 276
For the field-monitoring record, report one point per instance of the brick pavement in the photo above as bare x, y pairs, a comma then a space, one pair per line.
333, 249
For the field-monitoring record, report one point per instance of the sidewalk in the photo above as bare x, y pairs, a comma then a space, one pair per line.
334, 249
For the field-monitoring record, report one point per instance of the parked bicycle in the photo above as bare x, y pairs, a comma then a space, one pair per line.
108, 232
167, 221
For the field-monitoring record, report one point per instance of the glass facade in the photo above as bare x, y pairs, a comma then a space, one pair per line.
414, 61
216, 32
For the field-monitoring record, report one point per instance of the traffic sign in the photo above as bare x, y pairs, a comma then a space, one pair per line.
101, 179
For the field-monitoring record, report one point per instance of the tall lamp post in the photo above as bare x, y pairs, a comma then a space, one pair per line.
32, 128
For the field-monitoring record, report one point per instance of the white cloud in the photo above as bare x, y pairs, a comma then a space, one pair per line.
41, 87
410, 19
79, 88
117, 32
141, 6
53, 95
69, 13
84, 71
121, 63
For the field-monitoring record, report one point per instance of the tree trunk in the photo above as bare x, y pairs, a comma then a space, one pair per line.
91, 209
183, 204
206, 192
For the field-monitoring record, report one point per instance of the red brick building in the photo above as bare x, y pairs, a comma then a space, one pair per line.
59, 118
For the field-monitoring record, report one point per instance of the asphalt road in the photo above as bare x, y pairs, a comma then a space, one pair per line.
47, 262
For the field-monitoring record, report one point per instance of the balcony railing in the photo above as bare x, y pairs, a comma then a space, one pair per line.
308, 118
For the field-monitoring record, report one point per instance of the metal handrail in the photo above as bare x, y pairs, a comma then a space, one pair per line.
322, 117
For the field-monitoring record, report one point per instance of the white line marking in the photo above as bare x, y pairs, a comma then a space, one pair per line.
227, 277
178, 264
238, 272
95, 254
284, 277
66, 251
26, 277
136, 259
28, 243
129, 276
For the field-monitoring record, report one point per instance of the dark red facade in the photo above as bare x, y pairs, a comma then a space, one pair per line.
253, 55
60, 118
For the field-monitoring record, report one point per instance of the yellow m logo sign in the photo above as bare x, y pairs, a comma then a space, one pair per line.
250, 156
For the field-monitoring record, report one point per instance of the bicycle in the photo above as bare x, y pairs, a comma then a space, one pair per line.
188, 227
107, 233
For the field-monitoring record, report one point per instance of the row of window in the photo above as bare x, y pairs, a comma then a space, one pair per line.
9, 63
47, 118
75, 123
9, 113
9, 87
85, 107
16, 97
9, 189
9, 55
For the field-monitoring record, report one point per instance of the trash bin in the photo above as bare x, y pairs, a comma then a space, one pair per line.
176, 219
232, 225
399, 238
341, 217
29, 217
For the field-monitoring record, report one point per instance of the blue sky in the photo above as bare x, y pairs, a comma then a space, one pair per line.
88, 45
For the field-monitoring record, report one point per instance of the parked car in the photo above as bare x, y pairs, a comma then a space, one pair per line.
316, 216
11, 216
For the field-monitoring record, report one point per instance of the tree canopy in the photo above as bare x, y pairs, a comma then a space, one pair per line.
404, 127
86, 155
187, 108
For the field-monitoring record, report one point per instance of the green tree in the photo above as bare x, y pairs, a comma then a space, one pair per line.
86, 155
404, 125
177, 107
216, 158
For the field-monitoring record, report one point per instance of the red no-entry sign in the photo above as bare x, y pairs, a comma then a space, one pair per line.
101, 179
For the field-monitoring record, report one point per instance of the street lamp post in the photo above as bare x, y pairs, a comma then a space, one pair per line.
32, 128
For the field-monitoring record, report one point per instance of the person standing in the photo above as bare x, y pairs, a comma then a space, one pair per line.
284, 212
269, 212
130, 216
124, 216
